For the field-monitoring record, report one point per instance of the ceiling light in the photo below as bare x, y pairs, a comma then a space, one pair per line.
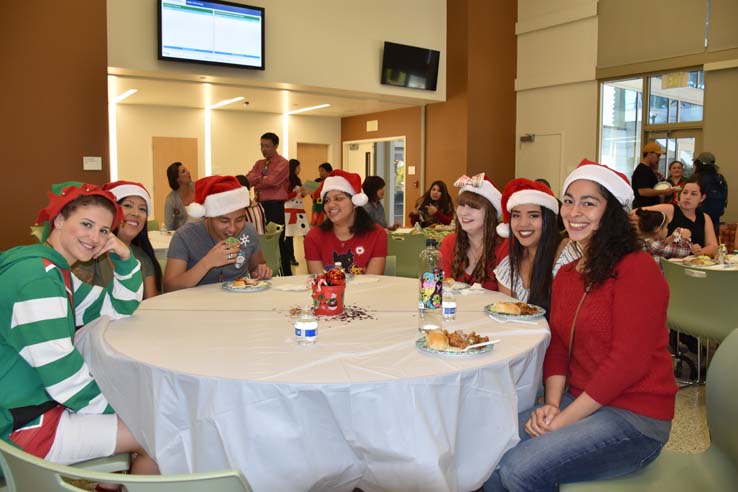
125, 95
320, 106
226, 102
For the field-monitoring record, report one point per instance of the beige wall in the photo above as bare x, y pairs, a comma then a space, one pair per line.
721, 108
556, 87
323, 43
235, 137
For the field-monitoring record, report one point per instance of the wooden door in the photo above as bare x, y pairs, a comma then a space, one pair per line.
310, 156
166, 150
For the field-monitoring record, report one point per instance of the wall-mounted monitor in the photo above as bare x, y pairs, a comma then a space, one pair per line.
409, 66
212, 31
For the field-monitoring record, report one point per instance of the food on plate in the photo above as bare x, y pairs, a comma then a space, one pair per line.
458, 340
700, 260
437, 340
245, 282
516, 308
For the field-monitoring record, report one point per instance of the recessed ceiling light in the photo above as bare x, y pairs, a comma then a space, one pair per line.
311, 108
125, 95
226, 102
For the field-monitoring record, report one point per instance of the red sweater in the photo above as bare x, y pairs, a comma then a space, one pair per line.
620, 355
447, 251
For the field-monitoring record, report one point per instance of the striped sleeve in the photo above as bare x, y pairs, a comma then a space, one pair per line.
117, 300
41, 328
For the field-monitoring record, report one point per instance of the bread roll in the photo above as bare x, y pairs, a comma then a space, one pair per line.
506, 308
436, 339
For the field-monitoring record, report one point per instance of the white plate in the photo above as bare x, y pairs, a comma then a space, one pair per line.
541, 312
662, 185
453, 352
262, 285
457, 286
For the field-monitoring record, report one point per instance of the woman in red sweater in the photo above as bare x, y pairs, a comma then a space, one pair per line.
608, 344
434, 207
469, 252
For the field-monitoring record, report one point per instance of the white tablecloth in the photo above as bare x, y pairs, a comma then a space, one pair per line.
160, 243
209, 379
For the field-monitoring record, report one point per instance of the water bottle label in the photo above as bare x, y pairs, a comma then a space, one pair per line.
449, 309
306, 329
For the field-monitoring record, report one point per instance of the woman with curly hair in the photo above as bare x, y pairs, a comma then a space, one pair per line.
434, 207
610, 389
469, 252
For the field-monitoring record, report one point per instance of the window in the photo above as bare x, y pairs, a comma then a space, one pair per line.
665, 107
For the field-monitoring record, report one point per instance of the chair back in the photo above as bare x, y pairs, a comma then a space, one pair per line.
390, 265
406, 249
152, 225
722, 405
701, 301
25, 472
270, 247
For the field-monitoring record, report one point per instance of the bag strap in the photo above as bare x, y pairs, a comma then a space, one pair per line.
573, 327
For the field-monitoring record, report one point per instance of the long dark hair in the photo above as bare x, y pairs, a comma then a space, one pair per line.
615, 238
372, 184
541, 277
142, 241
173, 174
294, 178
460, 261
650, 221
363, 222
445, 204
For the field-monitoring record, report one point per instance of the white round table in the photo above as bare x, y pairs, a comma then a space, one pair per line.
209, 379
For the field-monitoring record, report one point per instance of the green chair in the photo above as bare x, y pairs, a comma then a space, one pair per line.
27, 473
701, 303
116, 463
390, 265
152, 225
270, 247
713, 470
405, 248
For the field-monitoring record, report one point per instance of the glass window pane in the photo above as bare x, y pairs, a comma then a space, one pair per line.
686, 89
620, 125
673, 105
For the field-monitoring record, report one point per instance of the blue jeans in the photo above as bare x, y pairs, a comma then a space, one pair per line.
603, 445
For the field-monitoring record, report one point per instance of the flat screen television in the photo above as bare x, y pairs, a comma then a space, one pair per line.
410, 66
212, 31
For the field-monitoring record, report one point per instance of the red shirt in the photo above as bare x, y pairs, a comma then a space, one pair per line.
620, 356
353, 254
447, 251
272, 185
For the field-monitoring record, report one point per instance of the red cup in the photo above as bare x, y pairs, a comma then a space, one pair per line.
328, 299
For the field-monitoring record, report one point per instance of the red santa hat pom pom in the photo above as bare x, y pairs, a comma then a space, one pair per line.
350, 183
218, 195
524, 191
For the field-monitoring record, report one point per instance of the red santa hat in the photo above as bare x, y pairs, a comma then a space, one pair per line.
524, 191
122, 189
349, 183
63, 193
481, 185
615, 182
218, 195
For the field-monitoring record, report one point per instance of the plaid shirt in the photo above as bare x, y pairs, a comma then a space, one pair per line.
659, 248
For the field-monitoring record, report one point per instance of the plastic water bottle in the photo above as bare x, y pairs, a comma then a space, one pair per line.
306, 327
417, 228
430, 299
449, 304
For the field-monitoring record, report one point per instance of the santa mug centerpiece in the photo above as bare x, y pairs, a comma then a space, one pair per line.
328, 289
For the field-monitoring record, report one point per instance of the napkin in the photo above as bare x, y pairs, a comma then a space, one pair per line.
474, 289
290, 287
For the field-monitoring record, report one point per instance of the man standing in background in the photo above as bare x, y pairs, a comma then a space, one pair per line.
270, 179
645, 178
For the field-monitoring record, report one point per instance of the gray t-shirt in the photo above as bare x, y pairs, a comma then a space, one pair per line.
192, 242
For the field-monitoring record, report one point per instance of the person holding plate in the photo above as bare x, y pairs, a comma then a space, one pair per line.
469, 252
646, 176
223, 247
610, 388
535, 251
677, 180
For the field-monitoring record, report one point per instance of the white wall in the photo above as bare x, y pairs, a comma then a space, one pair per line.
319, 43
556, 87
234, 137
